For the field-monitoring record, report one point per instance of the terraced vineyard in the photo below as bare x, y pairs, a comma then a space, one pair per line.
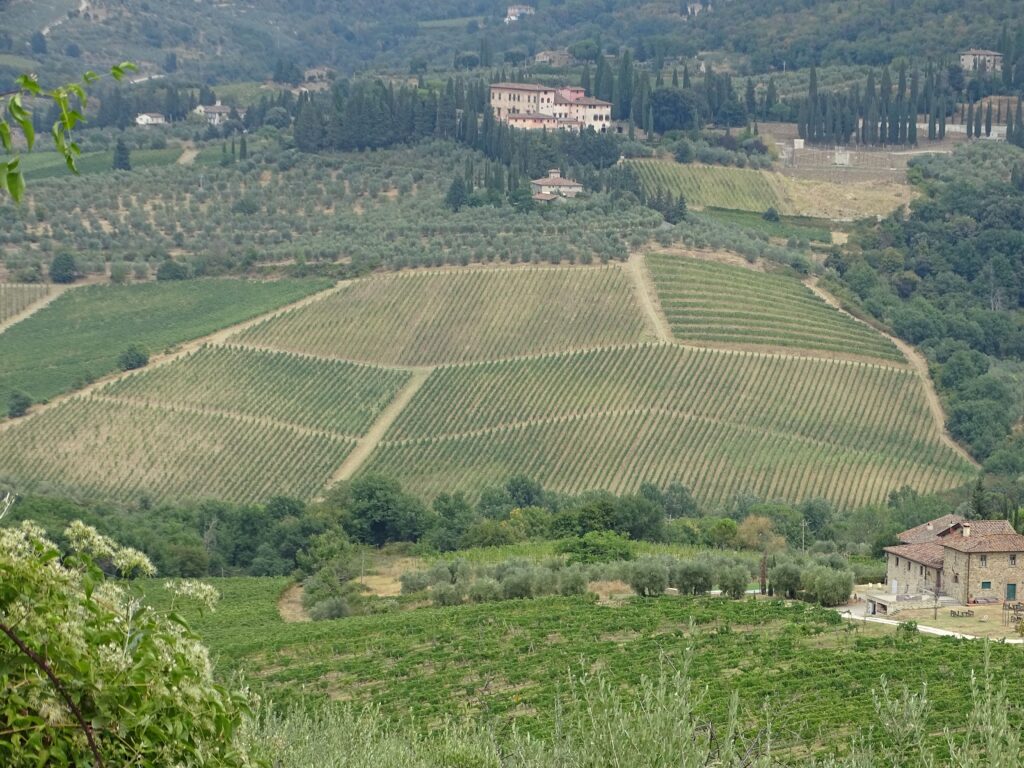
15, 298
721, 304
92, 447
720, 422
450, 317
78, 337
711, 185
328, 395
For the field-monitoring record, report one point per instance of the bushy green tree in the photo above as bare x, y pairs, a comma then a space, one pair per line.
597, 547
648, 577
132, 358
63, 268
18, 404
733, 580
122, 156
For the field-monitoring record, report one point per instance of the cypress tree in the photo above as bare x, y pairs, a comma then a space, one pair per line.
988, 120
675, 77
243, 148
1018, 126
686, 76
977, 122
585, 81
970, 121
122, 156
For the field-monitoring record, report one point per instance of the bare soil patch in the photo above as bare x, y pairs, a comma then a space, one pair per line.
610, 592
289, 606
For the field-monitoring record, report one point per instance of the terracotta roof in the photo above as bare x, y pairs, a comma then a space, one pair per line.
993, 542
931, 555
555, 181
980, 52
981, 528
592, 102
929, 531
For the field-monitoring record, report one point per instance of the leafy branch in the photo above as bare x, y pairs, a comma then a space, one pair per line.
71, 100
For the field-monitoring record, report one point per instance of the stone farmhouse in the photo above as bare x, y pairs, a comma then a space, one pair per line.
968, 561
150, 118
217, 114
557, 58
535, 107
976, 58
554, 186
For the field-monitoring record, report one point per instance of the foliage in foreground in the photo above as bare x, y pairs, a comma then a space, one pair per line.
92, 676
659, 724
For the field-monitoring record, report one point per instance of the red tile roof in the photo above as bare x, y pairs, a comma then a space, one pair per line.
981, 527
929, 531
993, 542
522, 87
931, 555
556, 181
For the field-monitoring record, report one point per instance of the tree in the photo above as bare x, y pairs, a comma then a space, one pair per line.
785, 579
457, 196
172, 270
732, 580
18, 404
94, 677
243, 149
648, 577
68, 101
132, 358
63, 268
376, 511
122, 156
38, 43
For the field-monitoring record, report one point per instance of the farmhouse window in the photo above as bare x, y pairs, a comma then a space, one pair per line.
956, 578
1013, 560
920, 570
984, 560
986, 585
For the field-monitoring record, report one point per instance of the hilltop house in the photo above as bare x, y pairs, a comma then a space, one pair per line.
150, 118
218, 114
516, 12
970, 561
554, 186
532, 107
559, 58
976, 59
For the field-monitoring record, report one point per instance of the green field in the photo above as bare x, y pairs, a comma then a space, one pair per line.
46, 165
509, 662
96, 448
799, 227
720, 422
15, 299
449, 317
79, 336
327, 395
710, 185
724, 304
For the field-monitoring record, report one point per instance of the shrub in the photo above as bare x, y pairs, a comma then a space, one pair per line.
785, 579
18, 404
447, 594
172, 270
597, 547
519, 584
119, 272
63, 268
648, 577
414, 581
732, 580
485, 590
331, 608
828, 587
572, 581
691, 577
770, 215
133, 358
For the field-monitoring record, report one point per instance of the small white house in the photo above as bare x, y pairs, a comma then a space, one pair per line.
554, 185
150, 118
516, 12
217, 114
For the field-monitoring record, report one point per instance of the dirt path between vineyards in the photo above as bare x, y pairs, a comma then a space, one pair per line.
289, 606
369, 442
918, 364
188, 156
182, 350
56, 291
636, 269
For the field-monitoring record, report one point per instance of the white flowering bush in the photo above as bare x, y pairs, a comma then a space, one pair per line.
91, 676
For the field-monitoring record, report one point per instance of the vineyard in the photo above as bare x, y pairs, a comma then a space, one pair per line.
97, 448
327, 395
15, 299
78, 337
720, 422
714, 303
452, 317
711, 185
509, 662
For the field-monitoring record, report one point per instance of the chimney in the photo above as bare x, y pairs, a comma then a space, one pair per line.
967, 530
930, 527
555, 173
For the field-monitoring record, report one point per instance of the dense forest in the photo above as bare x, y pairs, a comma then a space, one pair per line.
948, 276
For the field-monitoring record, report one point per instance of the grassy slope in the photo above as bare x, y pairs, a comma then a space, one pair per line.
47, 165
509, 661
710, 185
78, 337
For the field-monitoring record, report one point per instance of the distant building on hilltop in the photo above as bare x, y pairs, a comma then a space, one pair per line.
559, 58
317, 75
977, 59
218, 114
532, 107
554, 186
150, 118
967, 561
516, 12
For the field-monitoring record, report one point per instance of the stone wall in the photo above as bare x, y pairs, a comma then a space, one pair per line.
911, 578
